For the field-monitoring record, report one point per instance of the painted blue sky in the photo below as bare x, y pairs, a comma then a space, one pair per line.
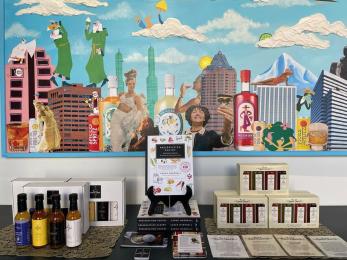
240, 49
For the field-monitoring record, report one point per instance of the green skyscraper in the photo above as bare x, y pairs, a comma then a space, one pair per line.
152, 83
119, 71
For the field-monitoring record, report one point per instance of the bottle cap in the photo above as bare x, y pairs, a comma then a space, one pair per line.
39, 197
245, 75
21, 197
73, 196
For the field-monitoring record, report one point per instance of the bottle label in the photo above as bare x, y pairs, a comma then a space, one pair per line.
73, 233
22, 232
56, 233
245, 119
169, 122
39, 232
114, 211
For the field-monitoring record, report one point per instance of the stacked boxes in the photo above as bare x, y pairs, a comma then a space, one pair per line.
295, 210
263, 200
242, 211
269, 178
106, 201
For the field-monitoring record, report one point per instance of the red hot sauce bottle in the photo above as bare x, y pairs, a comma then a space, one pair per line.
245, 113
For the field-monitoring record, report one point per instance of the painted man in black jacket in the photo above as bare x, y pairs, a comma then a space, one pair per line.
204, 140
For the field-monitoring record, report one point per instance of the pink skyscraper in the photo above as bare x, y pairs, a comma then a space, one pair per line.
26, 82
218, 78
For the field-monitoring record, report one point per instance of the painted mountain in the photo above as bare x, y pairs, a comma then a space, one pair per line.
301, 78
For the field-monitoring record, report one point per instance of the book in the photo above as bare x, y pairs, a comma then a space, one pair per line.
169, 164
298, 245
227, 246
331, 246
167, 219
188, 245
263, 245
134, 239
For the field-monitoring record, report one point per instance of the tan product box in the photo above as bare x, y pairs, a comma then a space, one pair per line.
64, 189
221, 193
263, 178
107, 201
19, 183
241, 211
298, 209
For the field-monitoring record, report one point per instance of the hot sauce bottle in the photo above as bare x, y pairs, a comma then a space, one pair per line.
22, 222
39, 224
73, 223
56, 224
245, 113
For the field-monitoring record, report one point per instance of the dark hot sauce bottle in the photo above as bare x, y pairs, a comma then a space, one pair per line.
56, 224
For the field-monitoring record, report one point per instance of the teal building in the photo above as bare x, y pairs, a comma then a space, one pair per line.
152, 83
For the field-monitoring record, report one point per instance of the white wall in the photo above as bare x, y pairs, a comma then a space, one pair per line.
324, 176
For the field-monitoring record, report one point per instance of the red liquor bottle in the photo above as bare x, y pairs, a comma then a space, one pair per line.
245, 113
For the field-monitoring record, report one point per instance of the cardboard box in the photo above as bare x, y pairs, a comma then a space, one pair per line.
19, 183
298, 209
107, 201
64, 189
241, 211
221, 193
263, 178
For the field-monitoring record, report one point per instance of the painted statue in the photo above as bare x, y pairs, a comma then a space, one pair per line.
95, 67
51, 138
61, 41
129, 115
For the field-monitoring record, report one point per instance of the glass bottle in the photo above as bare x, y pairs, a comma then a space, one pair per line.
168, 121
73, 223
245, 113
22, 222
56, 224
39, 224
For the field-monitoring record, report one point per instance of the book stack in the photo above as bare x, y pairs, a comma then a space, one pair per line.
263, 200
167, 220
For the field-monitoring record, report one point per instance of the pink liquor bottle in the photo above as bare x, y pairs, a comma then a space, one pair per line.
245, 113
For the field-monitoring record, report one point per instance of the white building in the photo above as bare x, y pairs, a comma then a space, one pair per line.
277, 104
330, 107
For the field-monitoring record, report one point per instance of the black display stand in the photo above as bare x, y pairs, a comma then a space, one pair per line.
169, 201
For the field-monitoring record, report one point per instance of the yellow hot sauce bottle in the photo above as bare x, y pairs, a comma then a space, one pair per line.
39, 224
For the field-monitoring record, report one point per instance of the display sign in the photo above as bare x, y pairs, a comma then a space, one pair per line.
170, 164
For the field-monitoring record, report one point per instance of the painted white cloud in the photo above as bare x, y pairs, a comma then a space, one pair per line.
123, 10
235, 28
172, 27
302, 34
169, 56
17, 30
57, 7
280, 3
